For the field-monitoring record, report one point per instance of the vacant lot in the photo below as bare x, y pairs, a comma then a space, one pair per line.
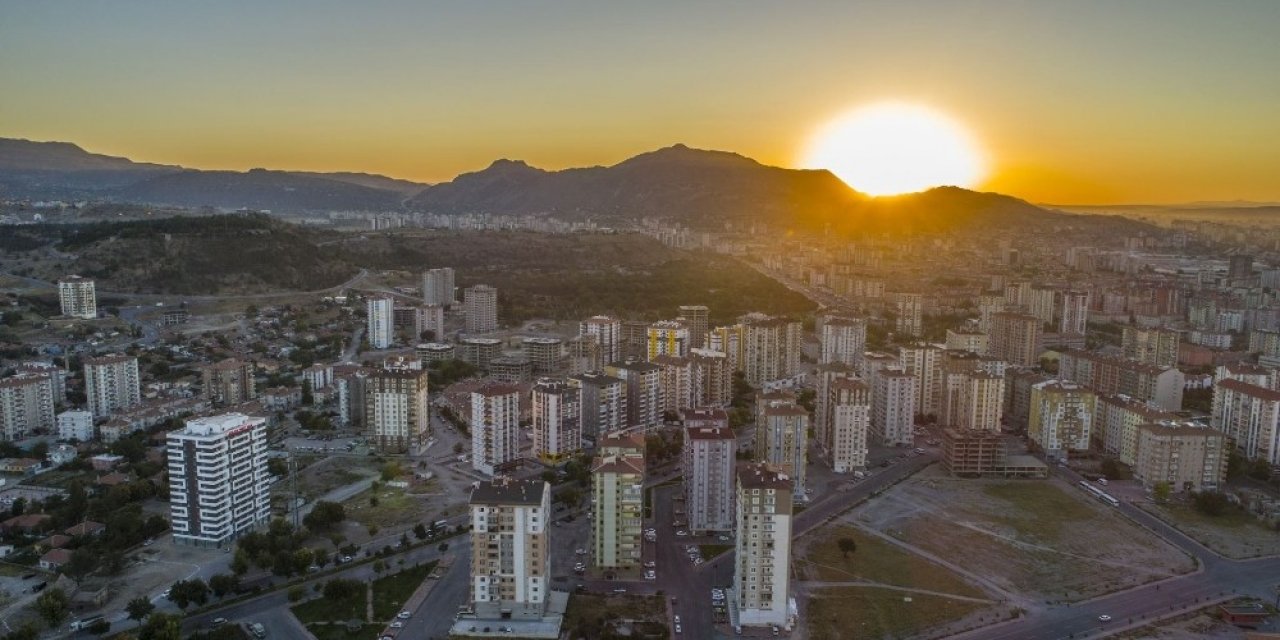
1234, 534
868, 612
391, 592
588, 614
1197, 625
386, 508
1038, 539
345, 609
819, 558
330, 473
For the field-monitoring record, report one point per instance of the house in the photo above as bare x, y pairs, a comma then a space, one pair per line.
54, 559
1243, 615
20, 466
6, 550
86, 528
61, 455
112, 479
105, 461
25, 523
55, 541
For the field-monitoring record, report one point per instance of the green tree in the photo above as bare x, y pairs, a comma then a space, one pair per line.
52, 605
222, 584
139, 608
324, 515
161, 626
297, 592
420, 531
187, 592
1211, 503
1161, 492
277, 467
847, 546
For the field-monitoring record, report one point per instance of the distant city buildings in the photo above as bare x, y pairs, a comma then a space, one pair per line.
1151, 345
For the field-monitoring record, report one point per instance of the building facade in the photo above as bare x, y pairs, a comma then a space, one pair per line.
709, 458
481, 305
495, 428
111, 383
219, 487
78, 298
380, 321
762, 564
557, 419
617, 479
397, 416
510, 548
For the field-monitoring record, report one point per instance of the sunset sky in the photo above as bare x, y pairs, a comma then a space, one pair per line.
1143, 101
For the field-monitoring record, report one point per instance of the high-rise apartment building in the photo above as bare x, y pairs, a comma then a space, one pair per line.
397, 416
481, 305
604, 403
438, 287
731, 341
1151, 345
824, 376
510, 549
228, 382
617, 479
495, 428
843, 340
970, 340
77, 297
698, 319
783, 441
923, 362
642, 388
893, 407
762, 564
981, 402
850, 424
1250, 416
380, 322
1116, 422
1184, 455
546, 355
667, 338
1107, 374
771, 349
1015, 338
910, 307
219, 487
1062, 418
111, 383
675, 377
608, 334
557, 419
708, 457
712, 378
26, 406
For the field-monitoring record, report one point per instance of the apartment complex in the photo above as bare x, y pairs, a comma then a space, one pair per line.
510, 548
545, 354
642, 389
219, 488
708, 457
77, 298
1107, 374
1151, 345
495, 428
762, 564
910, 308
607, 332
397, 416
1061, 418
557, 419
26, 406
1250, 416
1184, 455
712, 378
604, 405
75, 425
922, 361
782, 440
1116, 423
380, 320
111, 383
850, 424
481, 305
666, 338
228, 382
824, 376
617, 478
771, 349
698, 318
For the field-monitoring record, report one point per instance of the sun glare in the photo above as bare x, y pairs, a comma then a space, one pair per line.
894, 147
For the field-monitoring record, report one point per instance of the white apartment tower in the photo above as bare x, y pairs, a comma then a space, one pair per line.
844, 340
438, 287
642, 392
77, 298
922, 361
771, 349
783, 441
850, 424
510, 548
111, 383
495, 428
219, 488
75, 425
381, 322
607, 332
617, 479
481, 305
762, 564
557, 419
982, 401
604, 403
910, 307
397, 416
893, 407
709, 457
26, 405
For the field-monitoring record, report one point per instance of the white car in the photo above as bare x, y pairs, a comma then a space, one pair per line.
1104, 618
581, 552
677, 618
697, 560
404, 615
682, 533
397, 624
650, 575
650, 565
678, 629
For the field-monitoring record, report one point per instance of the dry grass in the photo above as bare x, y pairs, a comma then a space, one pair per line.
876, 561
868, 612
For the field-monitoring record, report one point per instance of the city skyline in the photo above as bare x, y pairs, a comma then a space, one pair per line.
1087, 103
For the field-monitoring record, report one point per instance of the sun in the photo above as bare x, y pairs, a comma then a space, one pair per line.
896, 147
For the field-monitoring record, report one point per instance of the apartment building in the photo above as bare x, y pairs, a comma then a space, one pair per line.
698, 318
604, 403
397, 416
77, 297
642, 388
1250, 416
1184, 455
824, 376
667, 338
557, 419
26, 406
617, 482
676, 379
219, 487
1062, 418
1107, 374
709, 459
481, 305
850, 424
546, 355
923, 362
712, 378
893, 407
607, 332
782, 440
1117, 421
1015, 338
1151, 345
74, 425
771, 348
510, 548
438, 287
762, 564
380, 328
228, 382
495, 428
111, 383
843, 340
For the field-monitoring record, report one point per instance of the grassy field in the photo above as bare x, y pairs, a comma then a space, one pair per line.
1235, 534
391, 592
325, 610
394, 508
340, 632
1038, 510
869, 612
877, 561
588, 612
710, 551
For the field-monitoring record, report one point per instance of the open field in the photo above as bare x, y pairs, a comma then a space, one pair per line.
1234, 534
835, 613
391, 592
326, 610
1039, 539
819, 558
330, 473
587, 613
340, 632
386, 507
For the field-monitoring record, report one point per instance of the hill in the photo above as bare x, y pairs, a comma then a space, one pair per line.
277, 191
31, 169
188, 255
371, 180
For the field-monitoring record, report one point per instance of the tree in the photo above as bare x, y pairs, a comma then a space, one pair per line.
308, 396
324, 515
19, 506
390, 471
240, 563
187, 592
224, 583
338, 590
1211, 503
420, 531
404, 539
83, 561
52, 606
161, 626
847, 546
1161, 492
139, 608
296, 592
277, 467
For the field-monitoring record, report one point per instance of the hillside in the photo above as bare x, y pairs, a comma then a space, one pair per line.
191, 255
277, 191
52, 169
371, 180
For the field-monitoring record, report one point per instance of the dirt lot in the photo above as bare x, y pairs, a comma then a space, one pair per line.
1037, 540
1235, 534
855, 612
1198, 625
818, 558
330, 473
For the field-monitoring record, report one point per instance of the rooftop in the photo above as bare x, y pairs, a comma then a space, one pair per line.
509, 491
759, 475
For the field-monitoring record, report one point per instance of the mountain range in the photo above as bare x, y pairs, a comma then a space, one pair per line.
697, 187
